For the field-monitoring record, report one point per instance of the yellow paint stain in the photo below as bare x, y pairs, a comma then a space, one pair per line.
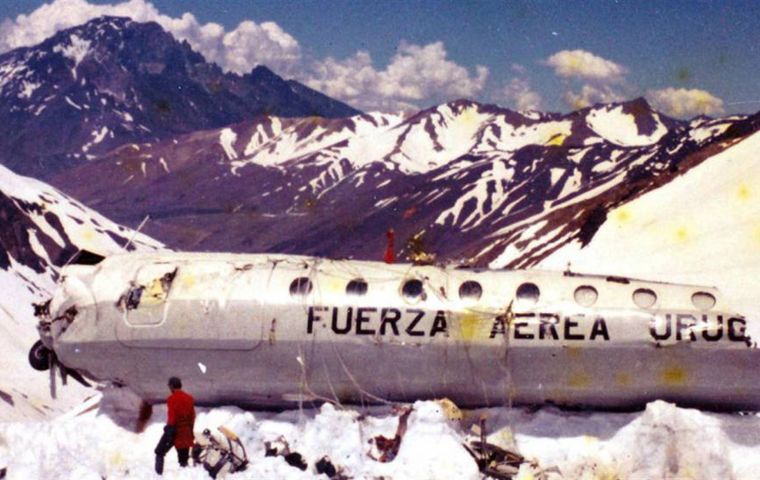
604, 472
470, 325
743, 193
116, 459
674, 376
681, 234
622, 215
335, 286
579, 380
449, 409
704, 101
556, 140
623, 379
573, 65
756, 235
468, 116
590, 440
88, 235
188, 281
154, 293
525, 474
573, 352
578, 103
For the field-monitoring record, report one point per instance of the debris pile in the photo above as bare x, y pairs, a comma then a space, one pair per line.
220, 456
387, 448
281, 448
498, 462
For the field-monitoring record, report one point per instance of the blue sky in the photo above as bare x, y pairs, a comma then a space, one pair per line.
687, 58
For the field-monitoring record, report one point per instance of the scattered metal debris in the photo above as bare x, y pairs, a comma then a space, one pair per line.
281, 448
498, 462
325, 466
220, 456
418, 250
388, 447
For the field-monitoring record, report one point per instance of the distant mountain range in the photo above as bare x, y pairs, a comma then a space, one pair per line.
464, 181
91, 88
134, 123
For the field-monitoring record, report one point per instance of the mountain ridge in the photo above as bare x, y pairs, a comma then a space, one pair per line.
459, 178
90, 88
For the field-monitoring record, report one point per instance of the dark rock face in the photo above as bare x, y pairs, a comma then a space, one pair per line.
466, 181
44, 229
112, 81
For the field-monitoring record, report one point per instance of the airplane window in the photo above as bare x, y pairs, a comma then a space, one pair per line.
528, 293
470, 290
301, 286
412, 290
356, 287
644, 297
586, 295
703, 300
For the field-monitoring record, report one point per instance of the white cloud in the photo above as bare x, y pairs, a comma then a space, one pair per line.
682, 102
590, 95
520, 94
415, 73
238, 50
585, 65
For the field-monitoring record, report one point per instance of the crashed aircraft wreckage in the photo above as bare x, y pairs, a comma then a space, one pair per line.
276, 330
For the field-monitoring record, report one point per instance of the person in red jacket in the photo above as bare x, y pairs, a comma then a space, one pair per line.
178, 432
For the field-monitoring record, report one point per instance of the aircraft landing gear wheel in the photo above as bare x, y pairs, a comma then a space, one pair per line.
39, 356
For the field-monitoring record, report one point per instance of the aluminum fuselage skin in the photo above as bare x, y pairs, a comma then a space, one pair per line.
232, 328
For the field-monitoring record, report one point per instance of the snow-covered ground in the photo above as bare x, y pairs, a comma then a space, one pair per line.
661, 442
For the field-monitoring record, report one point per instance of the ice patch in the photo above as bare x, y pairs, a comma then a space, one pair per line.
99, 135
76, 50
620, 128
27, 88
227, 140
71, 102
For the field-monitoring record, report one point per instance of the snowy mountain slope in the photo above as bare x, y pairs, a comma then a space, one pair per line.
703, 227
466, 178
91, 88
42, 230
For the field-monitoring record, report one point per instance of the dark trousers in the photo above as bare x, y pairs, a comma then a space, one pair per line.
165, 443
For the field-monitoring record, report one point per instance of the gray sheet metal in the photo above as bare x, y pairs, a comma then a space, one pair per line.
229, 326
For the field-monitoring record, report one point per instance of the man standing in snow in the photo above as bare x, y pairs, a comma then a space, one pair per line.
178, 432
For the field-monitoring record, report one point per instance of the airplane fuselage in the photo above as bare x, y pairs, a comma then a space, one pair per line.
274, 330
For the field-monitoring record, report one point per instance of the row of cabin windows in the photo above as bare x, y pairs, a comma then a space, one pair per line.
526, 294
586, 296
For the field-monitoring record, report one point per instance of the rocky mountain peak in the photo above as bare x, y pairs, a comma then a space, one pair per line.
112, 81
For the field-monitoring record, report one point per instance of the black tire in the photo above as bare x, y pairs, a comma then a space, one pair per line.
39, 356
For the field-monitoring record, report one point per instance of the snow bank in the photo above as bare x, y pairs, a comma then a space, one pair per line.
663, 441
